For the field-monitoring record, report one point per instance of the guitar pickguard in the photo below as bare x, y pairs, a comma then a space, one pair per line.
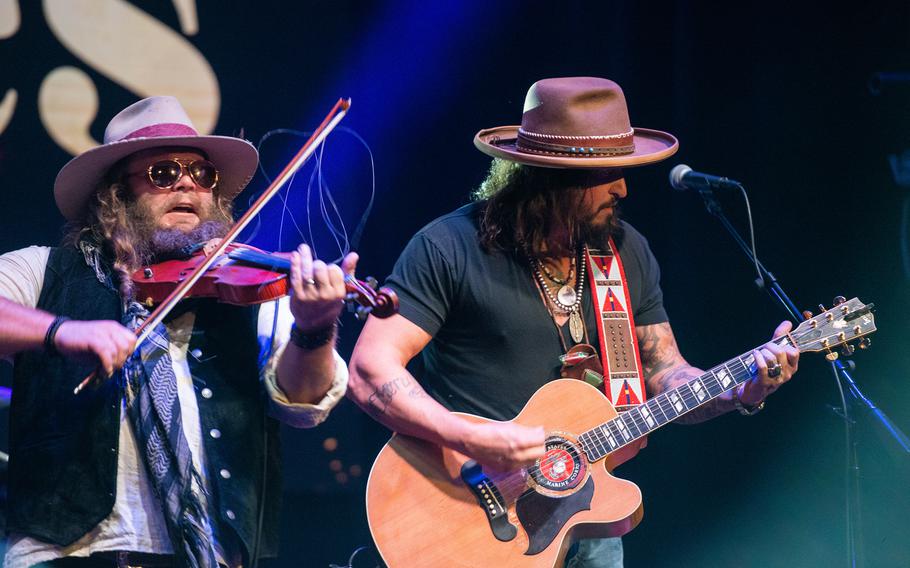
542, 517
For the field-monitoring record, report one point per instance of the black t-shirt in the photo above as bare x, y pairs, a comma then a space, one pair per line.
494, 342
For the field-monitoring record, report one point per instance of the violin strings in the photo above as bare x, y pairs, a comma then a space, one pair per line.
358, 231
328, 208
335, 231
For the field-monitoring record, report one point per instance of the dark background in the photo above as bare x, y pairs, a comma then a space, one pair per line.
776, 95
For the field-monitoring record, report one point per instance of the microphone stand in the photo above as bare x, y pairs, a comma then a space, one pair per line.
842, 375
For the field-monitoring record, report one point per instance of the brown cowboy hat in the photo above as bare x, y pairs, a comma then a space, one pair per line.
576, 122
151, 123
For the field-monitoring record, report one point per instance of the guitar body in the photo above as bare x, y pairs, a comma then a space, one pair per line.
422, 512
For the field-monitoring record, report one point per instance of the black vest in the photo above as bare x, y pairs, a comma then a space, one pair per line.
63, 448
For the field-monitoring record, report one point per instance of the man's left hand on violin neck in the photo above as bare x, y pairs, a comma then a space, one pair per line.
318, 289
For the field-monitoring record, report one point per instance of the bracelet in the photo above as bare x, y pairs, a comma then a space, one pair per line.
750, 411
313, 339
51, 334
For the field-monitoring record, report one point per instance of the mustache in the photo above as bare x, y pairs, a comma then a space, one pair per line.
164, 244
151, 242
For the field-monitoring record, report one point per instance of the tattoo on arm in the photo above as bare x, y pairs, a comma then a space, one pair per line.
382, 397
660, 357
704, 412
665, 369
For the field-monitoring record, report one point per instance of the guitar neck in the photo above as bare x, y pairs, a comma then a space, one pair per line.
666, 407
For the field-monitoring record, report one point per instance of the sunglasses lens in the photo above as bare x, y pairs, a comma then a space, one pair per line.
164, 173
204, 173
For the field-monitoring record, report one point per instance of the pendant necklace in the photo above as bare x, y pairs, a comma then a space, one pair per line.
566, 293
566, 299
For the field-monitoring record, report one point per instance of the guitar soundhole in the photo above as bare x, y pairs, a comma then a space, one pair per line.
562, 467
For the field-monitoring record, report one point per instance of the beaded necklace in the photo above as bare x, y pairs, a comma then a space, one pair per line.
566, 299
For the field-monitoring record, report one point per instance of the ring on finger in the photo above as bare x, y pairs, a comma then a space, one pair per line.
774, 370
310, 282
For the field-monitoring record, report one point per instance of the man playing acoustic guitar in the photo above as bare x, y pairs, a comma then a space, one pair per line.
535, 279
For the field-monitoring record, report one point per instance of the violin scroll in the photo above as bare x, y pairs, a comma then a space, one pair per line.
366, 297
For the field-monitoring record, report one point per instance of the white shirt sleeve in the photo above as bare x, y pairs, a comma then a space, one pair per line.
274, 333
22, 274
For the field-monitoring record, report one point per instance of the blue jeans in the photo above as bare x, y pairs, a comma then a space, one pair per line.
595, 553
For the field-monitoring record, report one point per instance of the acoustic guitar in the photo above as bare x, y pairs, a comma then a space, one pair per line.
432, 506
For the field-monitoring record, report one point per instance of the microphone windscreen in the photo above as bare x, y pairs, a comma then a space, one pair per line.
676, 176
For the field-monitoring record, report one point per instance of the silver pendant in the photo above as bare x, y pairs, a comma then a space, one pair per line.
566, 296
576, 328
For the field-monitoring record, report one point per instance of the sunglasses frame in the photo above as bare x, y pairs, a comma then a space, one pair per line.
184, 167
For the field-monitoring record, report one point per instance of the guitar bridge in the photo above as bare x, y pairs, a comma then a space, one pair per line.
490, 500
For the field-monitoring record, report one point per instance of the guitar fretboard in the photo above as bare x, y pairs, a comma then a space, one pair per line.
666, 407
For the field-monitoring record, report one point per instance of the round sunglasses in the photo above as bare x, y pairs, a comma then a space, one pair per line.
166, 173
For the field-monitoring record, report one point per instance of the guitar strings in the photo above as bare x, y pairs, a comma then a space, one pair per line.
511, 481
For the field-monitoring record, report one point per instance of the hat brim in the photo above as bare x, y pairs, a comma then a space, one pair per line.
235, 158
650, 146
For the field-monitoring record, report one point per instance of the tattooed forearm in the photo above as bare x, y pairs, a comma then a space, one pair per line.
706, 411
656, 354
380, 399
659, 354
676, 377
665, 369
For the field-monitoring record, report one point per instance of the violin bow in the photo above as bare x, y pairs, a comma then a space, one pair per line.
157, 316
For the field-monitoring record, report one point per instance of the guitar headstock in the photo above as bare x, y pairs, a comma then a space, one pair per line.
847, 321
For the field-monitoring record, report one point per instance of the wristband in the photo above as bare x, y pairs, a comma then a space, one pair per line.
49, 336
742, 408
313, 339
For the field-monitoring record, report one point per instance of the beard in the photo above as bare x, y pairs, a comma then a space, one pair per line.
596, 232
156, 244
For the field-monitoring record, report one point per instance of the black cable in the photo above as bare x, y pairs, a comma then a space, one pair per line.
265, 470
350, 563
257, 541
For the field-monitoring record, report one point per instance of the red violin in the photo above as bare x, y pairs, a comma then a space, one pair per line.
244, 276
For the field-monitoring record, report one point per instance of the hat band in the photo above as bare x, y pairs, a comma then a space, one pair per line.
607, 145
161, 131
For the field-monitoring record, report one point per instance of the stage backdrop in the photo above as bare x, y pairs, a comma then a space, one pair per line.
807, 107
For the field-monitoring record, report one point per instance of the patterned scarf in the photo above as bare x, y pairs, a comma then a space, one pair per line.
150, 388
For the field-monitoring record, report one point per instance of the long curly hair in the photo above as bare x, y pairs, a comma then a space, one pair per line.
112, 220
523, 205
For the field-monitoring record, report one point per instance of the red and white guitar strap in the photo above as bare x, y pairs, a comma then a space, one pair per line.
624, 382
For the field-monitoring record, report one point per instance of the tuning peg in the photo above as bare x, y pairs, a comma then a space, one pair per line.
822, 308
831, 356
362, 313
372, 283
865, 343
807, 314
846, 350
838, 300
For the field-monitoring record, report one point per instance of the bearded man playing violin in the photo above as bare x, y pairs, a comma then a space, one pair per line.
171, 457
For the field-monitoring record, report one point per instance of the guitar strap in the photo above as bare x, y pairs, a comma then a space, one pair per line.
624, 383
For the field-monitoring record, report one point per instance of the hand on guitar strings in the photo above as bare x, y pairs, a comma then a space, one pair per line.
775, 364
504, 446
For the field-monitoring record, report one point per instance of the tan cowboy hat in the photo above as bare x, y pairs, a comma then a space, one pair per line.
151, 123
576, 122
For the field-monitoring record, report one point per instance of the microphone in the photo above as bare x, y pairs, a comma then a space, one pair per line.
684, 178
